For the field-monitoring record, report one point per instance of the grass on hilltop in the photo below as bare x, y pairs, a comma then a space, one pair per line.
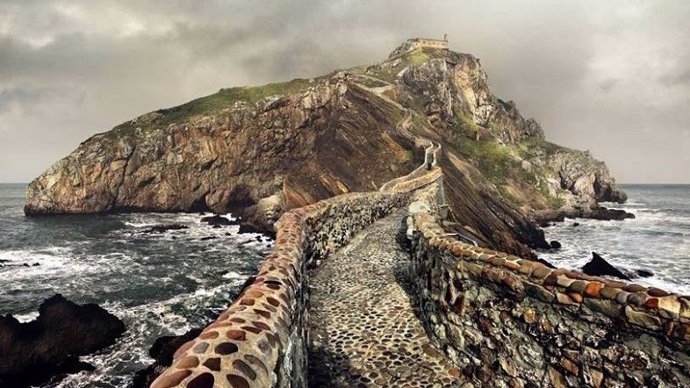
223, 99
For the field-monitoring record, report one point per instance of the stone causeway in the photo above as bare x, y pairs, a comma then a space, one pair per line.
367, 289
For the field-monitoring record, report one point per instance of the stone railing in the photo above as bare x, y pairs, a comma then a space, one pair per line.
512, 322
431, 151
261, 339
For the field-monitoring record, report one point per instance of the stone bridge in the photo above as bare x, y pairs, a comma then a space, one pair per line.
367, 289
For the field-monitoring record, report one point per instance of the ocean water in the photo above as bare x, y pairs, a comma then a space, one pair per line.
658, 239
163, 284
158, 284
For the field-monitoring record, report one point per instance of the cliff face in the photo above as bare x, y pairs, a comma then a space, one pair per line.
281, 151
260, 151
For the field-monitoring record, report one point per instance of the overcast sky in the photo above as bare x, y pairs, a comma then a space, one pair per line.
609, 76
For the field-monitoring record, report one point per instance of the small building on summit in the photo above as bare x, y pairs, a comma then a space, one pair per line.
429, 42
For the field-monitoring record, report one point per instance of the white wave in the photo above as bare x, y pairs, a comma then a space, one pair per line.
38, 262
28, 317
145, 323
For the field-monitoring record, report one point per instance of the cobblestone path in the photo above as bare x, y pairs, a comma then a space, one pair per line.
364, 331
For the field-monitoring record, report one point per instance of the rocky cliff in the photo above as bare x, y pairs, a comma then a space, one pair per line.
260, 151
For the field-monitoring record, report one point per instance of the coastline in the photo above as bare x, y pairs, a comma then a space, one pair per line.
658, 239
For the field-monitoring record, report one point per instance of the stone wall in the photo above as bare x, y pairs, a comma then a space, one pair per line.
261, 339
426, 42
511, 322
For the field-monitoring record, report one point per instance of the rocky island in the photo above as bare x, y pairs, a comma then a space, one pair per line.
260, 151
433, 187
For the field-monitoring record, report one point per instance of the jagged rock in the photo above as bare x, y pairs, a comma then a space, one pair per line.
600, 267
162, 352
164, 228
602, 213
33, 352
249, 228
586, 178
644, 273
218, 220
258, 152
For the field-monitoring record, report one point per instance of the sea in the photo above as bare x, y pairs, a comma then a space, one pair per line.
657, 239
167, 283
157, 283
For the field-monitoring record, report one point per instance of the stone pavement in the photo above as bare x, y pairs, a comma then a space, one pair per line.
363, 326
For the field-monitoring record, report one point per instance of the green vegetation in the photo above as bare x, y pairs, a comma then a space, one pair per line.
225, 98
388, 72
492, 159
502, 166
535, 147
416, 57
372, 82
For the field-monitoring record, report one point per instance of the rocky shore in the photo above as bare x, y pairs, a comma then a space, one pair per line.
50, 346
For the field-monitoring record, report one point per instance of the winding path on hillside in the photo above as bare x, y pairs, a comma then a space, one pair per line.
363, 326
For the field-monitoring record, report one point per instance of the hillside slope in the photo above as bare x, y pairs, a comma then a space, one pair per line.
262, 150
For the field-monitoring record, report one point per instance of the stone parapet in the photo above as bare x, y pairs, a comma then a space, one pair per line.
510, 321
261, 339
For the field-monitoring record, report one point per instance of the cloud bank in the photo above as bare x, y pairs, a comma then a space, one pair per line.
612, 77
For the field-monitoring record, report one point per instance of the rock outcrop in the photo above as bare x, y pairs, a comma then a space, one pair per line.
162, 352
600, 267
261, 151
33, 352
325, 138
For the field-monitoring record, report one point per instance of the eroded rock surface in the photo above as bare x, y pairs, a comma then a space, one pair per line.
33, 352
261, 151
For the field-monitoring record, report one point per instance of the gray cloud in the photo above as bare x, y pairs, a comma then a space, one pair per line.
18, 97
676, 78
606, 76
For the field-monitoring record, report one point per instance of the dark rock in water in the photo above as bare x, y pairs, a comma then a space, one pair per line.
555, 244
545, 218
602, 213
162, 351
249, 228
576, 224
31, 353
164, 228
644, 273
544, 224
258, 238
600, 267
206, 238
217, 220
546, 263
